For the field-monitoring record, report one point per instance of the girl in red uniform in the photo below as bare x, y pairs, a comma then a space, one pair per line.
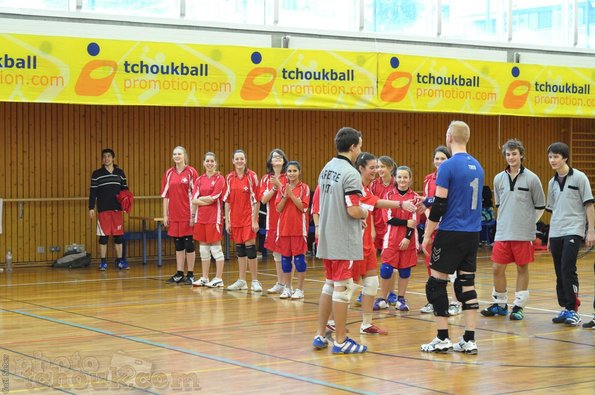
292, 230
207, 207
382, 186
241, 219
400, 242
270, 184
176, 191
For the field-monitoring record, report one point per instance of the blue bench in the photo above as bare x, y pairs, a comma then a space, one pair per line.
144, 236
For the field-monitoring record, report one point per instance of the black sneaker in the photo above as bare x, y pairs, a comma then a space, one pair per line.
590, 324
188, 280
175, 279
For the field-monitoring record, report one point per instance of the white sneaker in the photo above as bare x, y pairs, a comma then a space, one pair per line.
239, 285
215, 283
469, 347
427, 309
455, 309
286, 294
201, 282
437, 345
297, 294
276, 289
256, 287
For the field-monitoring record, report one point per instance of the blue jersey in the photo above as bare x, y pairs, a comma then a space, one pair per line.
462, 175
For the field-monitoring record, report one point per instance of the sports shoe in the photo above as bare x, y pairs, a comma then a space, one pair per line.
330, 326
122, 264
517, 313
201, 282
320, 342
286, 294
493, 310
188, 280
103, 265
349, 346
256, 287
380, 304
402, 305
392, 298
455, 309
297, 294
175, 279
215, 283
372, 330
466, 347
561, 318
427, 309
573, 319
437, 345
590, 324
358, 301
276, 289
239, 285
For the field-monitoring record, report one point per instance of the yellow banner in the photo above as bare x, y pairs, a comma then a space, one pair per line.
116, 72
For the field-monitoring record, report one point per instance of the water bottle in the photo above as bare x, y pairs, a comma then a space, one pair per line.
9, 261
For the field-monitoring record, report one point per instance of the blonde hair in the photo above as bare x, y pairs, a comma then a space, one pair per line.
186, 158
459, 131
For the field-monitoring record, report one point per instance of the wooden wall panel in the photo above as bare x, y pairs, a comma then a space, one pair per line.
49, 151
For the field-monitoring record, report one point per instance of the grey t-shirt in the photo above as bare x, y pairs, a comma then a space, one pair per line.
340, 235
567, 202
517, 201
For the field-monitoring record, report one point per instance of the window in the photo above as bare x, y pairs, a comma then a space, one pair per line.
479, 20
152, 8
251, 12
407, 17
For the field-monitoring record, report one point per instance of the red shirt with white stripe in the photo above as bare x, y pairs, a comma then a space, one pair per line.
241, 193
395, 234
177, 187
266, 185
210, 186
378, 188
368, 202
294, 221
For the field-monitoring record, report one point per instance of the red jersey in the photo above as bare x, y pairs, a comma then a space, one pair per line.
210, 186
378, 188
177, 187
315, 209
430, 184
368, 202
395, 234
266, 185
293, 221
241, 194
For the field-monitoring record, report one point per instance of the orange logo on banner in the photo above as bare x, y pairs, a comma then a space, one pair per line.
87, 85
395, 93
517, 92
253, 88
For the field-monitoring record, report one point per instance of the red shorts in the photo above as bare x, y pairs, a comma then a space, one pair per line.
179, 229
270, 241
399, 259
110, 223
519, 252
337, 270
292, 245
207, 233
242, 234
360, 268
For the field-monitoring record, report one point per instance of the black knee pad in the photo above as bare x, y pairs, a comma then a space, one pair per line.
189, 244
118, 239
241, 250
251, 251
103, 240
466, 280
437, 296
179, 243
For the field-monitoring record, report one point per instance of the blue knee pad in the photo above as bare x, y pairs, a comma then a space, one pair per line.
405, 273
300, 263
286, 264
103, 240
386, 271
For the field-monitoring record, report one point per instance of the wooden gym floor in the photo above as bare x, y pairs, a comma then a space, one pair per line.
127, 332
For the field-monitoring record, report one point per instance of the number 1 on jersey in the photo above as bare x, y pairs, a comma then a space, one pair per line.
475, 185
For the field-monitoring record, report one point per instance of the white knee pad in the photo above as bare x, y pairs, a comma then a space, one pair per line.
205, 252
277, 256
343, 296
328, 288
217, 252
371, 285
521, 298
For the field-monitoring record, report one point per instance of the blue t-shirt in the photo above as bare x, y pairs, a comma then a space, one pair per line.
463, 176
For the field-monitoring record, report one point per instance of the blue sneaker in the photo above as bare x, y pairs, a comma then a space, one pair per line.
358, 301
402, 305
320, 342
494, 309
349, 346
561, 318
573, 319
380, 304
122, 264
392, 298
103, 265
